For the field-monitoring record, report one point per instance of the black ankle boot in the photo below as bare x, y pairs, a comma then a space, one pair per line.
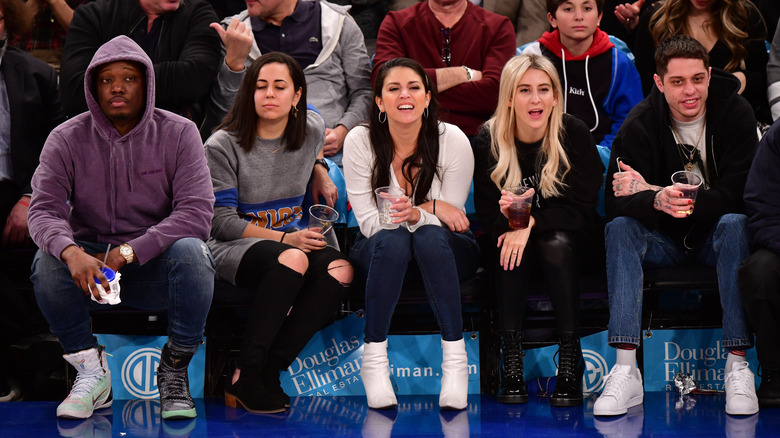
249, 392
571, 366
512, 386
769, 390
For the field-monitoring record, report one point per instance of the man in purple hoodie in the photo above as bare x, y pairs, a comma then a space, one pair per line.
132, 176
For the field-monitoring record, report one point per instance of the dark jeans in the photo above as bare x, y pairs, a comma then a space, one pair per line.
181, 279
443, 257
759, 282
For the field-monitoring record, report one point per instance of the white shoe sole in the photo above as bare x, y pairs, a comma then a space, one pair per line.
631, 403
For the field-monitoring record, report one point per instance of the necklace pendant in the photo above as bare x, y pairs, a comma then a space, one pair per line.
689, 167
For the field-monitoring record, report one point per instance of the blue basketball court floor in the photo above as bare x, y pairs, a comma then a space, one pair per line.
661, 415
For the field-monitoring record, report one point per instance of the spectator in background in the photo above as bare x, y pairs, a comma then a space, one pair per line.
694, 120
175, 34
47, 37
600, 83
527, 16
530, 141
773, 77
732, 31
461, 46
759, 276
134, 176
325, 41
30, 108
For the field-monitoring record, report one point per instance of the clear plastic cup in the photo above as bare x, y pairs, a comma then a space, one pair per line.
321, 220
520, 211
688, 183
385, 198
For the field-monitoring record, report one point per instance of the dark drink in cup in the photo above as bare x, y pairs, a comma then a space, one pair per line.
519, 212
519, 215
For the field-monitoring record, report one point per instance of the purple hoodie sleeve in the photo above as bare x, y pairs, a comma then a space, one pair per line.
193, 201
47, 217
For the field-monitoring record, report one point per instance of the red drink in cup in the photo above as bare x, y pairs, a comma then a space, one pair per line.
520, 211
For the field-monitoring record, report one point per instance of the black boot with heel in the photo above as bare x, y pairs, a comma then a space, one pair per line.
512, 387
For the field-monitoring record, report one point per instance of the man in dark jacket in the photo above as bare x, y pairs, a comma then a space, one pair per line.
759, 276
174, 33
693, 120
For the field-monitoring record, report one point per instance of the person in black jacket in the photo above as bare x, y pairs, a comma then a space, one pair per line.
693, 120
759, 276
176, 35
530, 141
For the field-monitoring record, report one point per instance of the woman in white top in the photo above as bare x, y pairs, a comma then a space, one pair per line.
405, 146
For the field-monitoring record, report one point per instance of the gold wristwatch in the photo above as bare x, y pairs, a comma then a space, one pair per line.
126, 251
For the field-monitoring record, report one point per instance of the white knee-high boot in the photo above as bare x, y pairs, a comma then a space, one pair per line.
376, 376
455, 375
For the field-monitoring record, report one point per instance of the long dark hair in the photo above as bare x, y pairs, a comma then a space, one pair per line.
425, 157
242, 118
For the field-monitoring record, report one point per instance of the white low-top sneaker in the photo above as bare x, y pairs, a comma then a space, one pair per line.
623, 390
741, 390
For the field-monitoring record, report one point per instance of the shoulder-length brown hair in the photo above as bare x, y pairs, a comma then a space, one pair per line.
242, 119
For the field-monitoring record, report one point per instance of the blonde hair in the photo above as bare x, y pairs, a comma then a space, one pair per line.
553, 159
728, 20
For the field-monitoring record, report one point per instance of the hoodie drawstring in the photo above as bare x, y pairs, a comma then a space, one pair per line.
587, 82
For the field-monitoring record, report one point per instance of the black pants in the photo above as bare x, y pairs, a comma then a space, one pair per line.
288, 308
759, 283
552, 256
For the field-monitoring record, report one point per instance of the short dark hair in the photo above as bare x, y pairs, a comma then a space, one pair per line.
96, 72
553, 5
242, 121
679, 46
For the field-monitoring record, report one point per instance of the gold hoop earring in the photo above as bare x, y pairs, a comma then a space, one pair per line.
380, 117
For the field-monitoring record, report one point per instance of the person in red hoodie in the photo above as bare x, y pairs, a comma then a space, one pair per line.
600, 82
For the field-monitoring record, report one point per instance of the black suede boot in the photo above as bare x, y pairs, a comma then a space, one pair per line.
512, 385
571, 366
769, 391
249, 392
270, 378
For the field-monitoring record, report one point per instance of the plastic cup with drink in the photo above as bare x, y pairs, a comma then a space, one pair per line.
112, 295
688, 183
321, 220
385, 198
519, 211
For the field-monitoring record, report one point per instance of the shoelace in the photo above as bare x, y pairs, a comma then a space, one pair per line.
513, 363
84, 383
173, 383
737, 379
567, 358
615, 383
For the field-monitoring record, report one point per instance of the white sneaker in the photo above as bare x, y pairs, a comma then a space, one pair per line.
623, 390
92, 388
741, 390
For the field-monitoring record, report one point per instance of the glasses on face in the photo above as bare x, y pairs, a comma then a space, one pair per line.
446, 54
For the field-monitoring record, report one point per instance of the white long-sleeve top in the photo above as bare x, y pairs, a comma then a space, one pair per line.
456, 169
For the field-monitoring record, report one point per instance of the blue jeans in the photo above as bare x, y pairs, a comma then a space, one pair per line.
181, 279
443, 258
630, 246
